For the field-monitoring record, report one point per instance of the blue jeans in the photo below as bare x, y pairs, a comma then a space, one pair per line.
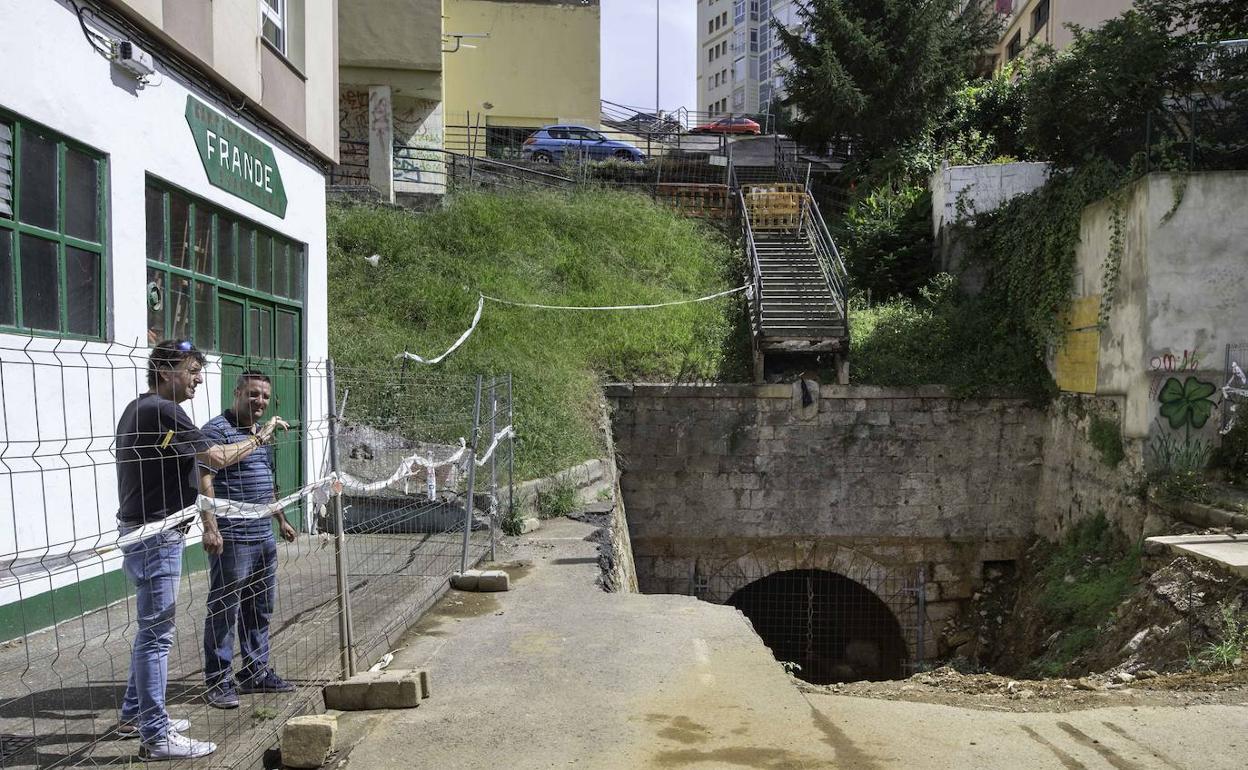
154, 566
242, 593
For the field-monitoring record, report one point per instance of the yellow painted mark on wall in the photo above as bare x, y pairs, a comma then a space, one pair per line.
1076, 362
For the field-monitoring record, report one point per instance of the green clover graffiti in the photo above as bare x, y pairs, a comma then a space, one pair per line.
1187, 404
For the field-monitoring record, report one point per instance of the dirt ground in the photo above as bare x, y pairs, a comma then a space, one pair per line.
945, 686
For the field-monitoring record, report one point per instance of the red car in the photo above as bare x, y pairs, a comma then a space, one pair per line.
728, 126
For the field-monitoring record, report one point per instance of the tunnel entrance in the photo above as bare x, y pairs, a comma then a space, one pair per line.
834, 628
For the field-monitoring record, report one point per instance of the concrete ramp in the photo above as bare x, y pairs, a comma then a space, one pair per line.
1229, 551
556, 673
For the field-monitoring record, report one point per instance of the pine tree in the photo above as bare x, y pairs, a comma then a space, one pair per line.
875, 73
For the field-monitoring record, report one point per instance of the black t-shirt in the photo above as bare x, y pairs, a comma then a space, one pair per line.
156, 448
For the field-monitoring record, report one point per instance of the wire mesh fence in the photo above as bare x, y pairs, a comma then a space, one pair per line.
367, 537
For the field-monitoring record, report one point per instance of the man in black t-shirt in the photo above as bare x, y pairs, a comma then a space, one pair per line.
158, 449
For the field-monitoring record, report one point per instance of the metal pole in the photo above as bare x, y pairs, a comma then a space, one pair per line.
656, 59
922, 610
472, 475
493, 466
346, 643
511, 452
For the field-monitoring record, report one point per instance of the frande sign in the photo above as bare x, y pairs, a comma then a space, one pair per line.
235, 159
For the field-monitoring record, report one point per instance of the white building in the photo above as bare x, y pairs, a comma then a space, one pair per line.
739, 54
173, 187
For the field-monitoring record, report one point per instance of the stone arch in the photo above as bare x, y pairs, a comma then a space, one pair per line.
719, 579
832, 628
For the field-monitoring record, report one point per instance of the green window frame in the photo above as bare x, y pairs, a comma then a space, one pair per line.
53, 232
195, 250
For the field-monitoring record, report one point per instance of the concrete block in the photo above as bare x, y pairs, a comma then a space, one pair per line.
395, 690
351, 695
423, 676
465, 581
308, 740
493, 580
531, 524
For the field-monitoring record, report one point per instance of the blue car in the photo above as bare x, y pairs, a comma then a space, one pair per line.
555, 144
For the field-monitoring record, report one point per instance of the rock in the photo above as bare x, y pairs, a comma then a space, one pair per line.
308, 740
1147, 673
1025, 694
960, 638
531, 524
1053, 637
1087, 684
1124, 677
1134, 643
1069, 579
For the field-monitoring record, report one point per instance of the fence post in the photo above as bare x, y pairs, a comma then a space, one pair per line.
472, 475
346, 642
511, 453
493, 465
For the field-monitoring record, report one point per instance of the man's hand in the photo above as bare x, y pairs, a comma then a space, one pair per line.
265, 434
288, 532
213, 544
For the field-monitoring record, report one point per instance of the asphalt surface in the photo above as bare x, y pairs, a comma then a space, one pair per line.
557, 673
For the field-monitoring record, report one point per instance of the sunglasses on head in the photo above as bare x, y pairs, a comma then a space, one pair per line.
185, 346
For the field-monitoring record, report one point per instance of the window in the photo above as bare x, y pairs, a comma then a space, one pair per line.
1039, 17
273, 23
754, 41
710, 26
195, 251
738, 11
753, 10
738, 70
52, 222
738, 40
1015, 47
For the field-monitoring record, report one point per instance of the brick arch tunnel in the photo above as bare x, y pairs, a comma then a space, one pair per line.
834, 628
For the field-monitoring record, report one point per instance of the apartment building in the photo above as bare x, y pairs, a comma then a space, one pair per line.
390, 79
519, 65
1029, 23
162, 175
739, 55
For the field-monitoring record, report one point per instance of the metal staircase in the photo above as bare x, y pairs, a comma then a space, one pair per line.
798, 304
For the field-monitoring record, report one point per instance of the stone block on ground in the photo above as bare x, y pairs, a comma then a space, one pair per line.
398, 688
531, 524
308, 740
395, 690
466, 580
494, 580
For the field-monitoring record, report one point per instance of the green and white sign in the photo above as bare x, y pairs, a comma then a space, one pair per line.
235, 159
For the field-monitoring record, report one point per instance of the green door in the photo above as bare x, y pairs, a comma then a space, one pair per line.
264, 336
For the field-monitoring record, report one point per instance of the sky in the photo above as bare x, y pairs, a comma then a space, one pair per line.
628, 52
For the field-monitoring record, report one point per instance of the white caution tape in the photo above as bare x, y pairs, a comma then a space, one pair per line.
476, 319
502, 434
462, 339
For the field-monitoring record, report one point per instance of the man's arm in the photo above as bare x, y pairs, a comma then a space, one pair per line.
212, 536
218, 456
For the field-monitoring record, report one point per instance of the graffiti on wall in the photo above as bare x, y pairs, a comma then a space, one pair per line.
1186, 406
416, 126
1163, 365
1234, 395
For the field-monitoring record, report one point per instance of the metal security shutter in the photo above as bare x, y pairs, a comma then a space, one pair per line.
6, 170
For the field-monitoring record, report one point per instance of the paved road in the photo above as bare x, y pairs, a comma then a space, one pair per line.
557, 674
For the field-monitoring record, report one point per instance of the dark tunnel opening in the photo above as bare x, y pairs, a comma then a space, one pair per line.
834, 628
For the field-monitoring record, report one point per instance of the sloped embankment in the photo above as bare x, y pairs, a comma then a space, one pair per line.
591, 248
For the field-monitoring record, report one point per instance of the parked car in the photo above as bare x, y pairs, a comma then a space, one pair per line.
555, 144
728, 125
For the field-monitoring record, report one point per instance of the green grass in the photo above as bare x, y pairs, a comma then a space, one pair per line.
595, 248
557, 500
1086, 577
1106, 438
942, 338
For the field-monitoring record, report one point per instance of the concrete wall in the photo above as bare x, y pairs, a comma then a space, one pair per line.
1178, 300
961, 192
402, 35
296, 90
727, 484
539, 65
53, 506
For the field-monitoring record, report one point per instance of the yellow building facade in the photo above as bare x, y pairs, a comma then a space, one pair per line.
1032, 23
520, 65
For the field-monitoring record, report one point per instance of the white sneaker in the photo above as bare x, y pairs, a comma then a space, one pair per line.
175, 745
131, 729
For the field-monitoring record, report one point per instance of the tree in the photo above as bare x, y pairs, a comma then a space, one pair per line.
879, 72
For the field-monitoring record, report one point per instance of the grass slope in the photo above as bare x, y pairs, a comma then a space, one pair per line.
598, 248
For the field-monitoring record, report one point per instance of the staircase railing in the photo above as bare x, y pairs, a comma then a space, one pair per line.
751, 253
829, 257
